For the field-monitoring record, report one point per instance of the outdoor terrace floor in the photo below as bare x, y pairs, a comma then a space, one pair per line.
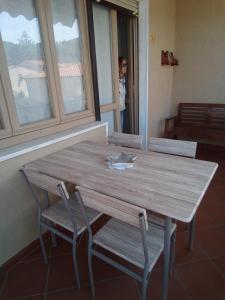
197, 275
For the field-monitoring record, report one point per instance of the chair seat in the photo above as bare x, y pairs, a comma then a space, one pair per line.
57, 213
125, 241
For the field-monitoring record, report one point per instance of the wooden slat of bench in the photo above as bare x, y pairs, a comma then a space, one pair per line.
202, 122
201, 105
205, 115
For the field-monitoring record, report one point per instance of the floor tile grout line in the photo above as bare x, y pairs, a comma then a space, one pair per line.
209, 216
205, 211
61, 290
217, 268
85, 285
183, 286
206, 253
22, 260
214, 226
3, 285
32, 251
191, 262
40, 258
27, 297
196, 245
211, 260
138, 289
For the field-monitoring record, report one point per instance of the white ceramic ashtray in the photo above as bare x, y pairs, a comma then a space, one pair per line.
121, 161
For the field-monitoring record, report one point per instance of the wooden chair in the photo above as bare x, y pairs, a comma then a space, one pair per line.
126, 140
65, 213
181, 148
128, 234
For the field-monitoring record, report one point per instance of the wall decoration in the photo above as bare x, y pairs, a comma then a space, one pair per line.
168, 59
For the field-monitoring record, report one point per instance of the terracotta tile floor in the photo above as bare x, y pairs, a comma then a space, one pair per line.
199, 274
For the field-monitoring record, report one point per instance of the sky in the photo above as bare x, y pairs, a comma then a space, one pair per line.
13, 27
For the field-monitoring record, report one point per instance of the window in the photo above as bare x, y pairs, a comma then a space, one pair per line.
26, 64
44, 64
68, 45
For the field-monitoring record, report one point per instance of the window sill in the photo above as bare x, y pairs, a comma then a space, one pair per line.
24, 148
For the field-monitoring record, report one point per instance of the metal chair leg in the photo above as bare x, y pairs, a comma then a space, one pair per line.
191, 234
166, 254
53, 238
144, 289
91, 272
75, 263
42, 245
172, 251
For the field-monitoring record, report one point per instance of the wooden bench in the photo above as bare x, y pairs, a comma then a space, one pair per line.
201, 122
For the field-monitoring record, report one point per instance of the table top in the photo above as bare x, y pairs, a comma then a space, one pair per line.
170, 185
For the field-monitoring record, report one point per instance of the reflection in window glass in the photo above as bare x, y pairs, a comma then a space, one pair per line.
103, 53
23, 49
109, 117
1, 117
1, 122
67, 39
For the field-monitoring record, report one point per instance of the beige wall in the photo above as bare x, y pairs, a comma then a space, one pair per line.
18, 226
200, 47
162, 37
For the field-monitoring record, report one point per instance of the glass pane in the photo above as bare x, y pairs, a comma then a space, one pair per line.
23, 49
103, 53
109, 117
1, 121
1, 115
68, 45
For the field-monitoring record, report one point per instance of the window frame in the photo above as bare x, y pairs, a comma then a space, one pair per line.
6, 130
16, 126
115, 105
85, 59
52, 76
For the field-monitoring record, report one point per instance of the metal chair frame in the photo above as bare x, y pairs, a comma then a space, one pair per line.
191, 233
46, 224
144, 278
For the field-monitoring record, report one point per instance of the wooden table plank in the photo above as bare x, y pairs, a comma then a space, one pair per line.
170, 185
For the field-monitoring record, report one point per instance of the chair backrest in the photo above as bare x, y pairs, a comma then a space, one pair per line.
113, 207
126, 140
45, 182
175, 147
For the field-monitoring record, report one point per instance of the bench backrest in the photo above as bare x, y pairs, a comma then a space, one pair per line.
202, 114
113, 207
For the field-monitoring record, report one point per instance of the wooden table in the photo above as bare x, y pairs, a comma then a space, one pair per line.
170, 185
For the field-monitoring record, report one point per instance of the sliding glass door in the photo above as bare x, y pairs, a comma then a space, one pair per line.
105, 31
